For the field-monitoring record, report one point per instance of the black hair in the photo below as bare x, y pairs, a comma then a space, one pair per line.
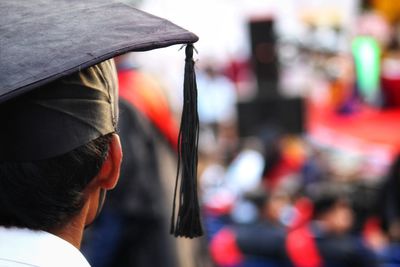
259, 197
270, 135
325, 195
46, 194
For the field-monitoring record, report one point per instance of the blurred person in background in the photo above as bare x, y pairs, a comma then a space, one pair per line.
283, 154
217, 109
326, 240
315, 167
223, 187
260, 242
216, 99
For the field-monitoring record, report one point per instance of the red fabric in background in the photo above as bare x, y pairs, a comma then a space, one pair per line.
391, 90
304, 208
302, 249
224, 250
370, 125
145, 95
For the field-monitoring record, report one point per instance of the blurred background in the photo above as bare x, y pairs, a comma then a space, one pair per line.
299, 150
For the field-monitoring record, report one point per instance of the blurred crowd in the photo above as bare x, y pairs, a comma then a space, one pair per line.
279, 202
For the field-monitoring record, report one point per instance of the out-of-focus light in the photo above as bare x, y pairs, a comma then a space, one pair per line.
366, 52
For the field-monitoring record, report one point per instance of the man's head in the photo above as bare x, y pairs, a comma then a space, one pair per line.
59, 150
332, 208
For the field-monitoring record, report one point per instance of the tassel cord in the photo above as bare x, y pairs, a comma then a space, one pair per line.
188, 218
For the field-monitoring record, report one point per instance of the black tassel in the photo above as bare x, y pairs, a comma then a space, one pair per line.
188, 222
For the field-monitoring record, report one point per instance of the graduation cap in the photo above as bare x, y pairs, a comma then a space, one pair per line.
58, 86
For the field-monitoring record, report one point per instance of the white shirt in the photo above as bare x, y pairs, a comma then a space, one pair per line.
24, 248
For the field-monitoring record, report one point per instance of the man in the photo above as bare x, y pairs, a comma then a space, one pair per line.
260, 242
46, 204
59, 152
326, 241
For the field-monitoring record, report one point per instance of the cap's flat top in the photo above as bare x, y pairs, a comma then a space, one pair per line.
43, 40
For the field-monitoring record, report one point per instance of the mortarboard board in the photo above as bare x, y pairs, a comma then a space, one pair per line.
46, 46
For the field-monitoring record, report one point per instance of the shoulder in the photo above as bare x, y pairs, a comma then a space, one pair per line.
24, 247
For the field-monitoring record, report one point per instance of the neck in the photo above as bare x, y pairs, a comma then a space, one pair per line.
73, 231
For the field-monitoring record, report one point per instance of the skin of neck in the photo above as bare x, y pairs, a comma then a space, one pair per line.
72, 232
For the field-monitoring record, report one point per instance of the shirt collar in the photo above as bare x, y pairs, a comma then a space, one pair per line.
38, 248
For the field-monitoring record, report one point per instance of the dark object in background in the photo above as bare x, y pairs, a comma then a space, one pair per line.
264, 56
263, 244
286, 114
391, 90
389, 202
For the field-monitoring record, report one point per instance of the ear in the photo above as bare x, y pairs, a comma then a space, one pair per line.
108, 175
